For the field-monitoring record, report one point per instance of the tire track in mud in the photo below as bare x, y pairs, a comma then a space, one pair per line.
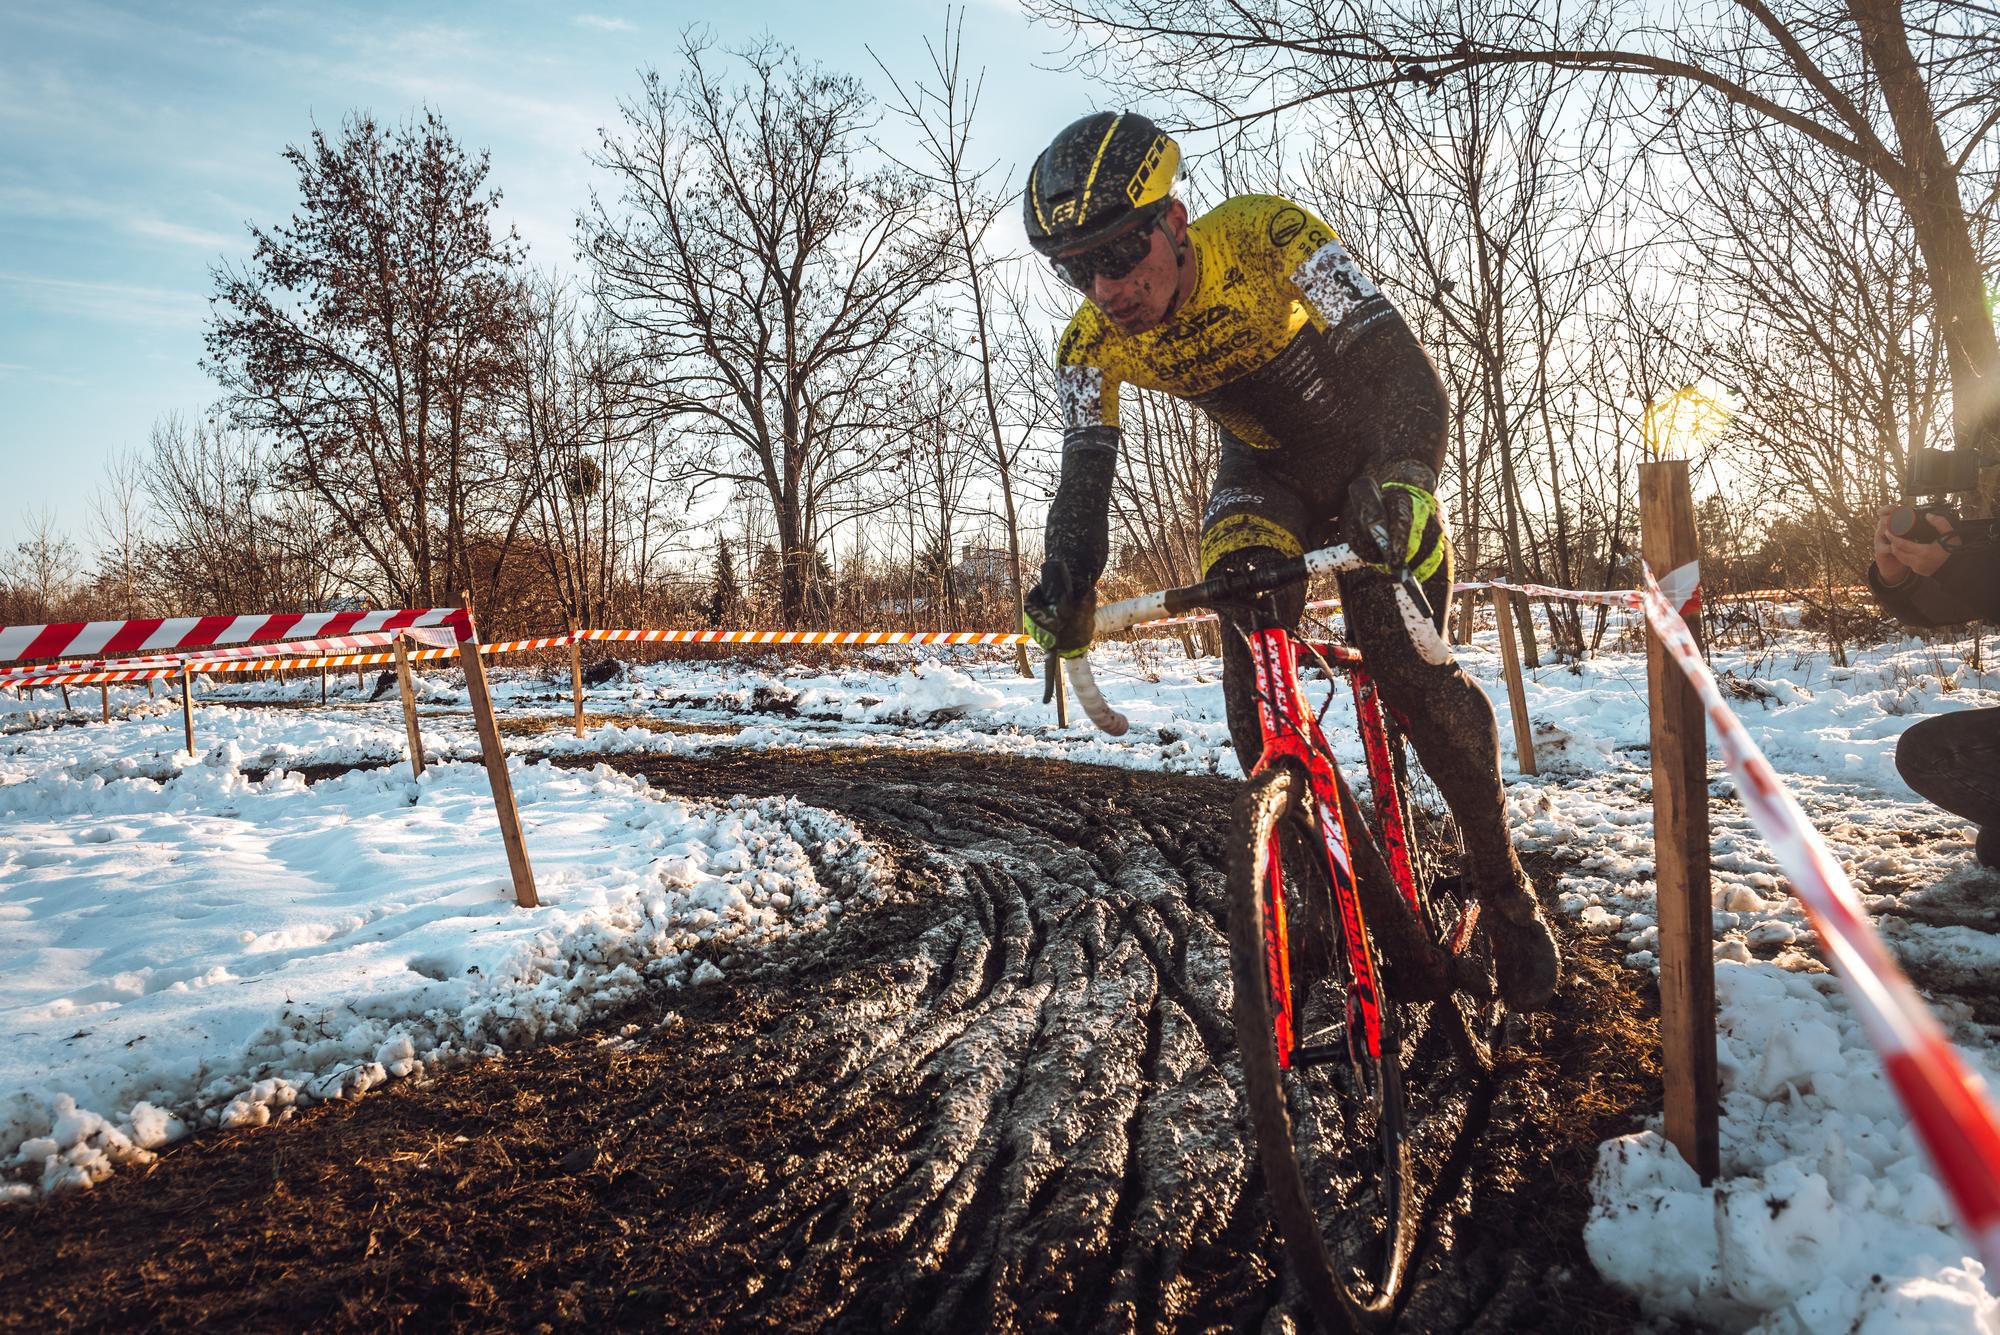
1004, 1099
1077, 1147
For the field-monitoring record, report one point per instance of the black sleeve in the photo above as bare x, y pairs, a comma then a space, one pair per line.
1401, 419
1965, 588
1079, 526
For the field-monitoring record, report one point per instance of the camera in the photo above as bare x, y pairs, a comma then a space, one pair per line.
1938, 473
1941, 472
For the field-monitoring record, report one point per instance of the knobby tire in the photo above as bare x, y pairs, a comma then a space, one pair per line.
1319, 1180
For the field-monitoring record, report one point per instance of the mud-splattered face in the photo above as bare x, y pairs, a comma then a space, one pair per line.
1142, 298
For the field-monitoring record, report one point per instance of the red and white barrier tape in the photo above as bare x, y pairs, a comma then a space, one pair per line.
431, 635
849, 637
69, 639
1947, 1104
1682, 587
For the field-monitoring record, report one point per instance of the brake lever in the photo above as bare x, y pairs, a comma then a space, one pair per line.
1413, 587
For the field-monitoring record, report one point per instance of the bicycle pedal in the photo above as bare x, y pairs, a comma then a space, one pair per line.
1459, 939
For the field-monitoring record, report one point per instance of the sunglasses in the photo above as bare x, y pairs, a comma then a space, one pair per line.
1112, 259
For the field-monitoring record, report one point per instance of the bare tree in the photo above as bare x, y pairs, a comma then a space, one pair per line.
940, 437
764, 267
43, 572
942, 113
1820, 319
118, 512
596, 518
368, 335
224, 538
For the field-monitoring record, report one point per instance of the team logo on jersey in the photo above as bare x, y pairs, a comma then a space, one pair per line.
1233, 277
1285, 226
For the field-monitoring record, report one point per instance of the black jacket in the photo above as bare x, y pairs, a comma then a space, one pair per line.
1965, 588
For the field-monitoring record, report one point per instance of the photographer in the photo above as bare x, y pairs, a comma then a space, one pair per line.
1929, 570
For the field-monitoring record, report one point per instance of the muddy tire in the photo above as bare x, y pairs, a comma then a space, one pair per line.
1330, 1134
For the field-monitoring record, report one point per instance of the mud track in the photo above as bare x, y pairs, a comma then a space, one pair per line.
1003, 1100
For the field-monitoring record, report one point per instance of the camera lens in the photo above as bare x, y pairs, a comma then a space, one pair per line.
1912, 524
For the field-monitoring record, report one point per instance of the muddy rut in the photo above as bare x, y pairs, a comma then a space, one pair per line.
1005, 1099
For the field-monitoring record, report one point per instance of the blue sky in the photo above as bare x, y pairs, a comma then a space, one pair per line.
137, 139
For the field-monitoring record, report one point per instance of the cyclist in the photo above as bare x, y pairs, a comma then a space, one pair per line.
1257, 314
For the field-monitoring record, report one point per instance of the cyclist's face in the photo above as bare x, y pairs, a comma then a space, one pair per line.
1140, 299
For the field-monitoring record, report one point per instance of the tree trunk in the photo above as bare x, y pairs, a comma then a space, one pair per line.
1928, 187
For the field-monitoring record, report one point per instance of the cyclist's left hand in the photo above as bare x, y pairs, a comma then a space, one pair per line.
1059, 616
1400, 504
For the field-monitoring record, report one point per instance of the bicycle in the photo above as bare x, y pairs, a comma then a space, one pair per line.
1327, 1088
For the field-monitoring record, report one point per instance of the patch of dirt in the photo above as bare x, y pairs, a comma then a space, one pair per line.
1007, 1099
536, 727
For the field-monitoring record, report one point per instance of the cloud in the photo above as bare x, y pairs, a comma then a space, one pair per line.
161, 229
23, 201
113, 303
603, 24
36, 373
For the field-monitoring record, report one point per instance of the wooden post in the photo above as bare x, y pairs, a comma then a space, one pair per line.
576, 678
1680, 838
65, 697
409, 707
322, 685
104, 699
496, 763
187, 704
1517, 693
1062, 691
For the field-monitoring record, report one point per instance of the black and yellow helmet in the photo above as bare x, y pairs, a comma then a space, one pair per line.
1101, 175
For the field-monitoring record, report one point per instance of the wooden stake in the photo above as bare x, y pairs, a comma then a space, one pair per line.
104, 699
1062, 692
1680, 839
496, 763
1517, 693
322, 685
576, 679
409, 707
187, 704
65, 697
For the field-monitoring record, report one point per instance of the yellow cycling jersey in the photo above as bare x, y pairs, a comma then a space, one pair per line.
1257, 344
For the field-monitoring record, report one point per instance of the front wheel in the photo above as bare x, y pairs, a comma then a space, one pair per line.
1327, 1114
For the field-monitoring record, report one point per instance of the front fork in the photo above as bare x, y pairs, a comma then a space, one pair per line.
1292, 733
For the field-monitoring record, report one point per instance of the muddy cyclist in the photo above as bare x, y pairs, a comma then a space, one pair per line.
1257, 314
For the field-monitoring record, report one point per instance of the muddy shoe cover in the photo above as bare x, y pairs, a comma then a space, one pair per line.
1525, 960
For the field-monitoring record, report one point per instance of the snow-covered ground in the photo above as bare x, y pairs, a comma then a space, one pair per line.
274, 942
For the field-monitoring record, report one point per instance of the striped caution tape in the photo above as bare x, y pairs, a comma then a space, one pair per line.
435, 635
844, 637
1948, 1106
157, 634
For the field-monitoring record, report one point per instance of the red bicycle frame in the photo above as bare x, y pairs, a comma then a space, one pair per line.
1291, 732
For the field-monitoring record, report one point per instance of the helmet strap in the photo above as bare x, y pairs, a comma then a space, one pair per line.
1180, 263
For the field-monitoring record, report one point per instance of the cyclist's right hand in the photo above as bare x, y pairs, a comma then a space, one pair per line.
1060, 612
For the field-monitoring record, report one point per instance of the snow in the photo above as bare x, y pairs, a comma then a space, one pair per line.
277, 943
212, 950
